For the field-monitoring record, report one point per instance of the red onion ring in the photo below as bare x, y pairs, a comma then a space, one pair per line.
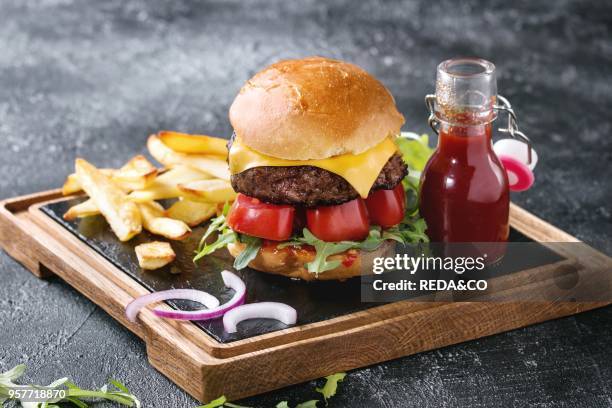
261, 310
520, 177
132, 309
230, 280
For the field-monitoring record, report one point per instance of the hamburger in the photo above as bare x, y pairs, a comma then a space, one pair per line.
316, 169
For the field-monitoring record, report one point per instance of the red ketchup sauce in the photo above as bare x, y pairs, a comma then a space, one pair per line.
464, 191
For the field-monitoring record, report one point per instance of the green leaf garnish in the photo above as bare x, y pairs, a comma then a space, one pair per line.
13, 374
214, 403
331, 385
74, 394
415, 150
119, 385
225, 235
230, 405
249, 253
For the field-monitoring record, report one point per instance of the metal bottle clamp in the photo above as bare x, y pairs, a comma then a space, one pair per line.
512, 127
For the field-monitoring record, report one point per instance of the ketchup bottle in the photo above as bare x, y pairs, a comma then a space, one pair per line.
464, 188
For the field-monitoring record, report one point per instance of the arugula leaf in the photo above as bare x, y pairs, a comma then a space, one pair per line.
225, 235
249, 253
214, 403
77, 402
74, 394
230, 405
323, 250
415, 150
12, 374
220, 402
331, 385
218, 224
223, 239
410, 231
119, 385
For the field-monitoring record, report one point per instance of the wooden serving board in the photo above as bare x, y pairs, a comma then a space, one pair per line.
334, 326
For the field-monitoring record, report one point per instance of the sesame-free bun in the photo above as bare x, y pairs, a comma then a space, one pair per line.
313, 108
291, 263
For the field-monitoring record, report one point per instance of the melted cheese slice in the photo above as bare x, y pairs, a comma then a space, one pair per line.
359, 170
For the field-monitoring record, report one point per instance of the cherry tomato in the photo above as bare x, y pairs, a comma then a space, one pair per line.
386, 207
344, 222
252, 217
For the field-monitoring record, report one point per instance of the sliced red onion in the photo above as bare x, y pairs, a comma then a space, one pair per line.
520, 177
132, 309
231, 281
261, 310
517, 150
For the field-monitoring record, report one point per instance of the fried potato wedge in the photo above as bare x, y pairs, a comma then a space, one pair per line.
165, 185
72, 185
122, 215
85, 209
154, 221
140, 164
210, 191
154, 255
194, 144
192, 213
210, 164
138, 173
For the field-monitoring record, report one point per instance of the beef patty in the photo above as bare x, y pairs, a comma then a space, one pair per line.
310, 186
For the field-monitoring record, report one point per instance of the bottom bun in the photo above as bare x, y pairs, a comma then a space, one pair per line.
291, 261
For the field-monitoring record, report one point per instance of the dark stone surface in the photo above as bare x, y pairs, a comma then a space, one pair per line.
93, 79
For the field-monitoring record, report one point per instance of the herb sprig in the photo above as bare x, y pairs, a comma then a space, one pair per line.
114, 391
226, 236
328, 390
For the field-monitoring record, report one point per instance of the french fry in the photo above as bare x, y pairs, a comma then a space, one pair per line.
154, 255
194, 144
72, 185
154, 221
140, 164
122, 215
85, 209
210, 164
138, 173
192, 213
165, 185
210, 191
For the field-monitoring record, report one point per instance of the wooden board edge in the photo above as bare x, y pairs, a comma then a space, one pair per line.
13, 229
221, 350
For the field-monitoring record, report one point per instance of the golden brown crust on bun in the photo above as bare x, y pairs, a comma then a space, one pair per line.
290, 262
313, 108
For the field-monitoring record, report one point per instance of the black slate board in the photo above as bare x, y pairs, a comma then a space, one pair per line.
315, 301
